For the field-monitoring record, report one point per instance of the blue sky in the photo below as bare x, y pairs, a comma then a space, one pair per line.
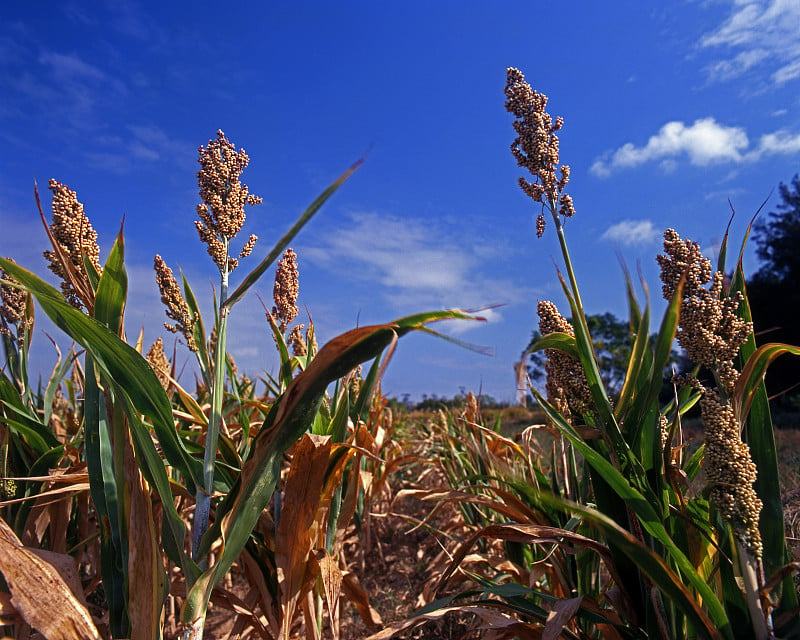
670, 109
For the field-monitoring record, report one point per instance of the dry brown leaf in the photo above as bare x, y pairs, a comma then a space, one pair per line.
359, 598
293, 538
145, 571
331, 582
40, 594
492, 619
563, 611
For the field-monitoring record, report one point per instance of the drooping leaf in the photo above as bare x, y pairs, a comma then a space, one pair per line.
293, 542
291, 415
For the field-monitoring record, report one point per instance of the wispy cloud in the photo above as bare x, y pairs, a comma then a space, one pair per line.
760, 35
632, 233
414, 263
777, 143
704, 142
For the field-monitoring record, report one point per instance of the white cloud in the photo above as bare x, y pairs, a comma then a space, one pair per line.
632, 232
704, 142
778, 142
733, 68
757, 34
414, 263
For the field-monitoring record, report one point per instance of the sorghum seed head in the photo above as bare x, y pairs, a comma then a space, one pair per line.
224, 197
730, 470
159, 362
74, 233
13, 301
296, 340
286, 289
709, 330
177, 307
567, 387
536, 147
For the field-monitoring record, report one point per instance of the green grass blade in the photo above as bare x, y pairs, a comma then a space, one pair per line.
633, 375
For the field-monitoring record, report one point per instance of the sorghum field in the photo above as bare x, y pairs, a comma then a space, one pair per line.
308, 505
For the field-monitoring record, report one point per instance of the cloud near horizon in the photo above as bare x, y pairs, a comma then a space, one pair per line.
704, 142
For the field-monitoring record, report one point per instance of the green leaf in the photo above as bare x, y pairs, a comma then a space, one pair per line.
711, 624
751, 398
198, 332
104, 492
646, 515
753, 372
557, 340
119, 362
37, 435
112, 290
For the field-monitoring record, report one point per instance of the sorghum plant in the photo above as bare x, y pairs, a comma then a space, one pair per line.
146, 456
671, 559
663, 567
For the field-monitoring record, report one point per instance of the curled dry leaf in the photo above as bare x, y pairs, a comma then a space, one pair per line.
40, 594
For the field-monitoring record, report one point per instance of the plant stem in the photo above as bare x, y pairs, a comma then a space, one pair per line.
562, 240
203, 496
751, 572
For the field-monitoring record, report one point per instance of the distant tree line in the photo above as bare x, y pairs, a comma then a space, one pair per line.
774, 291
434, 402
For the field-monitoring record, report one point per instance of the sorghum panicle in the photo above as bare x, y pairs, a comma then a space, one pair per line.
177, 307
296, 340
730, 470
159, 362
536, 148
12, 305
224, 197
286, 289
710, 330
712, 333
567, 387
74, 233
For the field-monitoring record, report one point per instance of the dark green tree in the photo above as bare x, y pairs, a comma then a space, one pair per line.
774, 291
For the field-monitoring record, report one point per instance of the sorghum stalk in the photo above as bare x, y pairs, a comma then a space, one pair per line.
203, 498
712, 334
536, 148
222, 216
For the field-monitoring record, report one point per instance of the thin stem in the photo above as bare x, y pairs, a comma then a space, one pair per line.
203, 497
562, 240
